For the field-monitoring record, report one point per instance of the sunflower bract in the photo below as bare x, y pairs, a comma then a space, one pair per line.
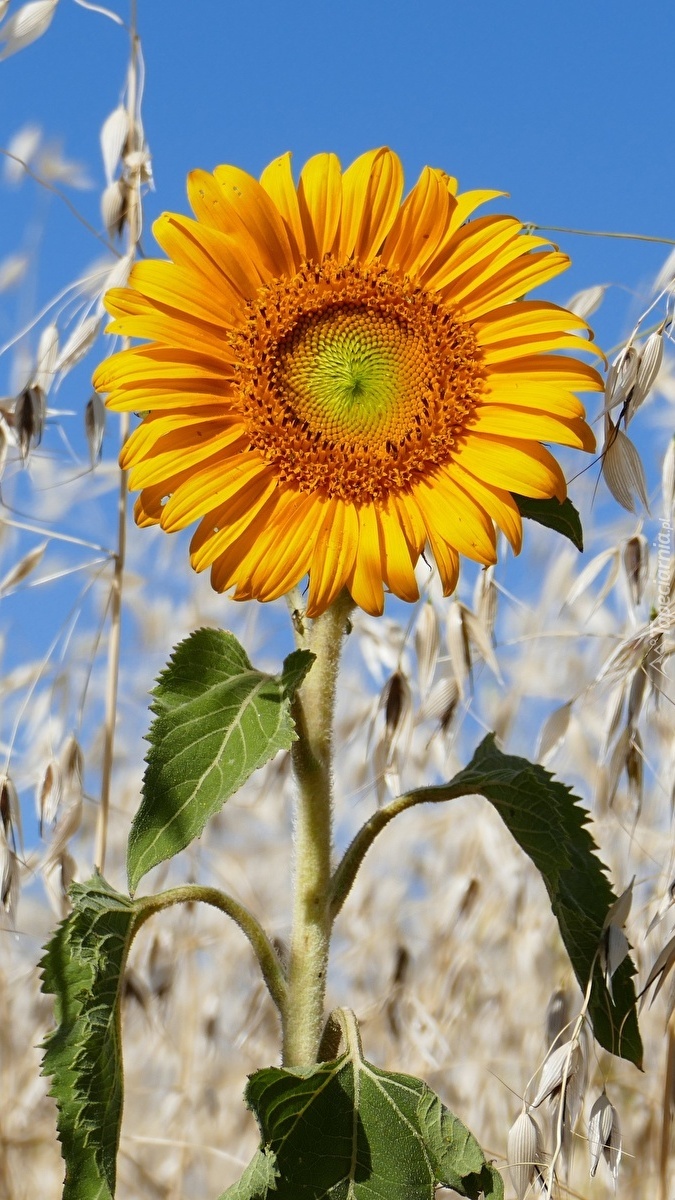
333, 379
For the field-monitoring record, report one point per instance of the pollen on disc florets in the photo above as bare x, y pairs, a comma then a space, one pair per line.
354, 381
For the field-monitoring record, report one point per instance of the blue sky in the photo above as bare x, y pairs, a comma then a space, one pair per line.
565, 107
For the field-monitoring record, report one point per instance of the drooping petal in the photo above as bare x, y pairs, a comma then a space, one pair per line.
334, 555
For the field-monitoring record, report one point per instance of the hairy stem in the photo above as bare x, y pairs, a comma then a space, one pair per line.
270, 966
312, 761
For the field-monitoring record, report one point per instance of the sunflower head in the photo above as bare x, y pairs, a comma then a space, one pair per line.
334, 379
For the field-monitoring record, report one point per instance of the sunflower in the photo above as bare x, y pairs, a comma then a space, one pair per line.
336, 379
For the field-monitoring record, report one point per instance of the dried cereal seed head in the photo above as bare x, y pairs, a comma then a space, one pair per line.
9, 875
29, 419
22, 149
635, 558
613, 950
588, 301
459, 645
662, 967
561, 1065
114, 132
440, 702
621, 377
668, 477
23, 568
622, 468
427, 645
80, 341
47, 353
72, 763
649, 366
523, 1152
604, 1135
395, 697
619, 911
26, 25
553, 730
94, 425
48, 794
12, 270
485, 600
114, 203
557, 1014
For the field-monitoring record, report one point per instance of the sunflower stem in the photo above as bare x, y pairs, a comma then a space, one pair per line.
314, 706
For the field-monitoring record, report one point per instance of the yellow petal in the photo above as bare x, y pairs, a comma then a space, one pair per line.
182, 448
411, 522
365, 580
398, 571
210, 488
371, 194
460, 521
485, 268
214, 210
320, 202
334, 554
224, 525
277, 180
234, 564
420, 224
524, 393
446, 559
143, 440
163, 324
547, 369
214, 256
281, 566
478, 242
499, 504
525, 317
514, 281
467, 203
261, 219
183, 289
516, 466
505, 420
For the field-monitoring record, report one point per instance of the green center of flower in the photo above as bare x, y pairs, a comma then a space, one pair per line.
352, 374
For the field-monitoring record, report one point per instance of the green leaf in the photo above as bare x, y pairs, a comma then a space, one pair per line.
83, 968
217, 720
258, 1179
549, 824
346, 1130
564, 517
